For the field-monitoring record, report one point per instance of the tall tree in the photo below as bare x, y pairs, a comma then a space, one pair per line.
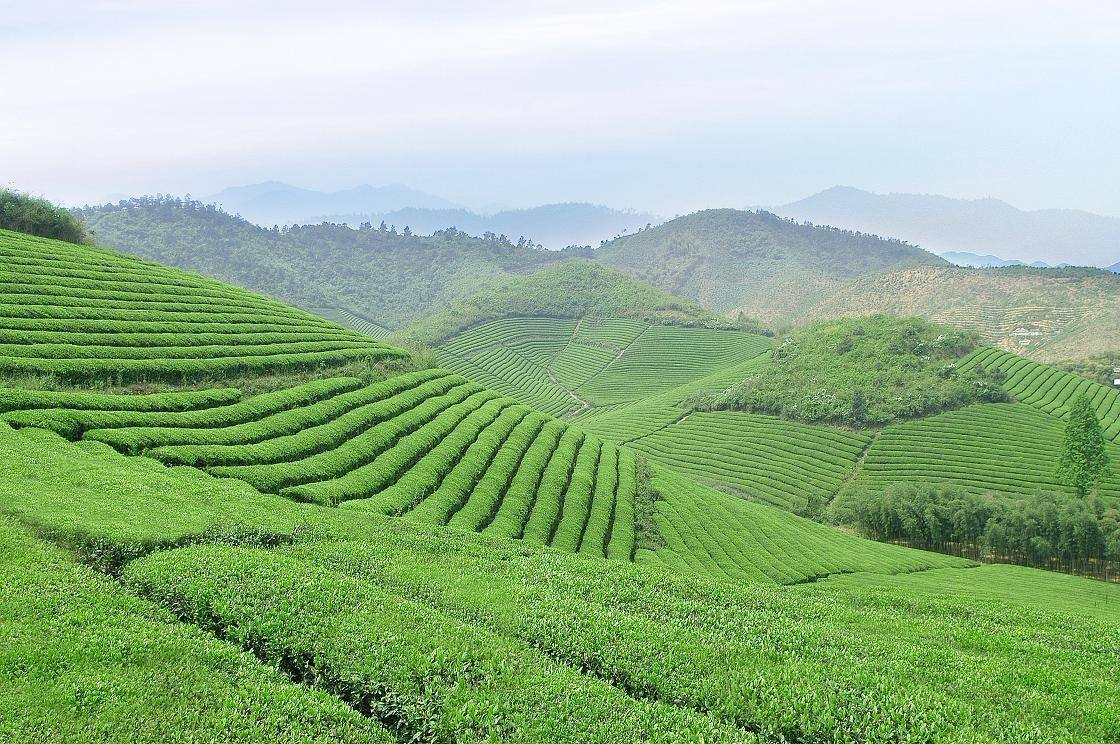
1083, 462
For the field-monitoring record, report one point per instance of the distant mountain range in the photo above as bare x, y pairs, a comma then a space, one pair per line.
551, 225
982, 226
1115, 267
554, 226
976, 261
275, 203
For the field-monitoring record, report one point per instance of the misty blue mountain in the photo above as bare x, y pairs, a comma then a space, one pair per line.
982, 226
554, 226
275, 203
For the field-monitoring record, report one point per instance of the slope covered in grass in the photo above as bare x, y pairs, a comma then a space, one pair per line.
80, 314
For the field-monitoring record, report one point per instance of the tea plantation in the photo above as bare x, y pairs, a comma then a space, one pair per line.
187, 554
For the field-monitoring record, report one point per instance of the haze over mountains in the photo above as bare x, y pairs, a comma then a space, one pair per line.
982, 226
554, 226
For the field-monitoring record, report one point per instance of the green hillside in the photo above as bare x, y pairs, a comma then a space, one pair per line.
725, 258
410, 555
569, 289
386, 277
1046, 314
439, 619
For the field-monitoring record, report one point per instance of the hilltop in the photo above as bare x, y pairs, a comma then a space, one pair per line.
940, 223
725, 258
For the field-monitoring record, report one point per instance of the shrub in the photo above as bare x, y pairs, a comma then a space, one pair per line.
28, 214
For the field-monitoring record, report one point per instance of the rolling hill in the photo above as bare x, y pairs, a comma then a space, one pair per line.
939, 223
725, 258
1046, 314
416, 557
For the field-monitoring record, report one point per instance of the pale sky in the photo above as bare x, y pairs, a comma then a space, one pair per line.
667, 107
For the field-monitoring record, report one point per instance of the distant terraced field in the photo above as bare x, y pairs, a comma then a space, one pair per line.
565, 366
81, 314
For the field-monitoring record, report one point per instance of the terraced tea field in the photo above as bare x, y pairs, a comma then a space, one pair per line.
564, 367
440, 618
350, 320
80, 314
421, 558
708, 534
429, 445
784, 463
1048, 389
1002, 448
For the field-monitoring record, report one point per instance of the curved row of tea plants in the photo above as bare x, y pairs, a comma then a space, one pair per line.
84, 314
1003, 448
785, 463
561, 366
1049, 389
429, 445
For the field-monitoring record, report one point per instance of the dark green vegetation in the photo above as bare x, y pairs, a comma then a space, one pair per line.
411, 556
1084, 460
862, 372
26, 214
78, 314
1045, 530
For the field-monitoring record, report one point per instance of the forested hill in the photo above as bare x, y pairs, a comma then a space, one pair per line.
384, 276
392, 278
726, 258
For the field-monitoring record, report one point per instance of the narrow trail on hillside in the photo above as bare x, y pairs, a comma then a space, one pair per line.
583, 404
856, 468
